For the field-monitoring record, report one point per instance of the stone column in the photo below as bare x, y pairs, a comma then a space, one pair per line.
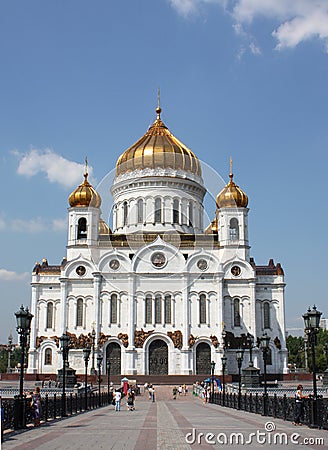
63, 309
32, 351
96, 297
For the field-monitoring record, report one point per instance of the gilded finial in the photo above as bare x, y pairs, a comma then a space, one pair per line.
230, 174
86, 168
158, 109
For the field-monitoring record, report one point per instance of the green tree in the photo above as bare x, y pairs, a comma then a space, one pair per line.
15, 358
295, 346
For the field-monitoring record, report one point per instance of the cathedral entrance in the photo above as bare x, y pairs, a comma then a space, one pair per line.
158, 358
113, 354
203, 359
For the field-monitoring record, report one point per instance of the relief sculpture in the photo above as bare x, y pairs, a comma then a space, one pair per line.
176, 337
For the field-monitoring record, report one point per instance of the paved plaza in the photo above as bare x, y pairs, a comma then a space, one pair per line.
165, 424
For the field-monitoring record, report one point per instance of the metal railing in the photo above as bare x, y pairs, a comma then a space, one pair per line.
51, 407
281, 407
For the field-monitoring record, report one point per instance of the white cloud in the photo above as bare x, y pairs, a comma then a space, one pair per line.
33, 226
59, 224
187, 7
8, 275
2, 224
57, 169
28, 226
298, 20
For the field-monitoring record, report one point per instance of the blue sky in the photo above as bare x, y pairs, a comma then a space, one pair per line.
246, 78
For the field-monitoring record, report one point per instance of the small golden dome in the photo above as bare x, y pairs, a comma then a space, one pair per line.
158, 148
84, 195
103, 228
231, 196
212, 228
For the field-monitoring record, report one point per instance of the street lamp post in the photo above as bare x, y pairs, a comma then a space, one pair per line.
10, 349
264, 343
64, 346
239, 356
23, 319
93, 337
224, 363
212, 380
108, 378
86, 356
312, 325
99, 362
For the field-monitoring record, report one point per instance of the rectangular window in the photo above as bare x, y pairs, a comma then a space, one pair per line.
236, 312
79, 313
148, 311
113, 308
167, 303
158, 309
202, 309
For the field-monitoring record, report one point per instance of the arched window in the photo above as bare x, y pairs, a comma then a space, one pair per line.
48, 357
234, 229
125, 213
266, 315
167, 308
191, 214
140, 211
158, 210
158, 309
82, 228
202, 308
50, 312
148, 309
175, 210
113, 308
79, 312
236, 312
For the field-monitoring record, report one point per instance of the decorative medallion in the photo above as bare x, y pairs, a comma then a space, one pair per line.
158, 259
80, 271
114, 264
235, 270
202, 264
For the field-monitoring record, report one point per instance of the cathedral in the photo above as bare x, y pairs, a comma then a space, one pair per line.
157, 292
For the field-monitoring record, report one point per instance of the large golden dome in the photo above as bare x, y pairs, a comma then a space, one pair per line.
231, 196
84, 195
158, 148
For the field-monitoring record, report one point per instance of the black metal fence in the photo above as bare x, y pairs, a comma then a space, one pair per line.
315, 411
51, 407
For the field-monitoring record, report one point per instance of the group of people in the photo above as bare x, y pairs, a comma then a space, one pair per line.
130, 399
181, 390
151, 391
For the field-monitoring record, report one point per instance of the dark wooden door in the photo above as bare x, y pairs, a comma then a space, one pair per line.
203, 359
113, 353
158, 358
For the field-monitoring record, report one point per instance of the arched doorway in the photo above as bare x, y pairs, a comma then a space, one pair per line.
113, 353
203, 359
158, 358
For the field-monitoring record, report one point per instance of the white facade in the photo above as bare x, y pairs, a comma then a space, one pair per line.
158, 291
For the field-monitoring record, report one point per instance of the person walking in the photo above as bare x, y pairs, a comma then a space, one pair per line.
299, 408
117, 397
152, 393
180, 390
174, 392
130, 400
36, 406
